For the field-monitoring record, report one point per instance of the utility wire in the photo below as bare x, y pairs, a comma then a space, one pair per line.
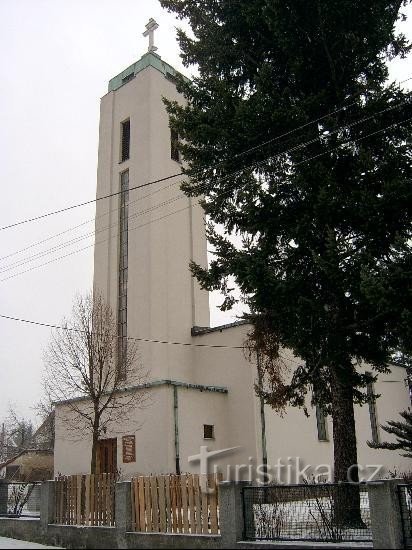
73, 227
302, 126
278, 155
154, 341
315, 140
47, 214
148, 340
297, 164
85, 236
61, 210
93, 244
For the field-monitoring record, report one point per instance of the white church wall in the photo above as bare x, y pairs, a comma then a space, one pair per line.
163, 299
151, 426
228, 367
293, 436
196, 409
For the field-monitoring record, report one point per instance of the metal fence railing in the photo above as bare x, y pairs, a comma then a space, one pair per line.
405, 502
23, 499
312, 512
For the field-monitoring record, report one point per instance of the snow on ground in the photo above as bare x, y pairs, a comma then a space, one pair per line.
307, 519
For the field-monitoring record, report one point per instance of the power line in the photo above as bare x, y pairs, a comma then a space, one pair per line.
315, 140
85, 236
91, 201
147, 340
304, 125
47, 214
293, 149
172, 213
72, 228
152, 341
91, 245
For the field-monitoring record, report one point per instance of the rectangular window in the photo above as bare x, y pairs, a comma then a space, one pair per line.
208, 431
321, 424
127, 78
123, 272
372, 412
125, 140
174, 142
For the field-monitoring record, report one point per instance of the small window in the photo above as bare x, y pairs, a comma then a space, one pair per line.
372, 412
127, 78
125, 141
174, 146
321, 424
208, 431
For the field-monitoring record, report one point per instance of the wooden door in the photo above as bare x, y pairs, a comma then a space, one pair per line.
107, 456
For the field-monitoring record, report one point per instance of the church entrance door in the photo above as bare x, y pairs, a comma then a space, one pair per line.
107, 456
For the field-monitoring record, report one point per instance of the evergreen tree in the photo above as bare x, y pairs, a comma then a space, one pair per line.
403, 433
301, 147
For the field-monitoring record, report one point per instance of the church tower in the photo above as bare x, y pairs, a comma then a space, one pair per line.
147, 233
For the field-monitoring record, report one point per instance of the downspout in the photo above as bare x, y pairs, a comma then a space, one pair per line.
176, 425
262, 421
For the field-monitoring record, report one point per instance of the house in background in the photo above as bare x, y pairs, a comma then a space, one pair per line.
201, 387
29, 465
36, 461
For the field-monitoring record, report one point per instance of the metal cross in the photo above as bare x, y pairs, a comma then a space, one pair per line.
150, 28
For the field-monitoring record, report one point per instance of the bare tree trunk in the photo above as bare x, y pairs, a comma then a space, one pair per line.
95, 441
347, 499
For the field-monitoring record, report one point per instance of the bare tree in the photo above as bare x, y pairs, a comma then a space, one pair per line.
16, 434
44, 436
93, 371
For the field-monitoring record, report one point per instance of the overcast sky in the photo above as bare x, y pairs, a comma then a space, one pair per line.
56, 57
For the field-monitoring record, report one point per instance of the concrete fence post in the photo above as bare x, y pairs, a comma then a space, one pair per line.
386, 521
123, 511
231, 516
47, 503
4, 494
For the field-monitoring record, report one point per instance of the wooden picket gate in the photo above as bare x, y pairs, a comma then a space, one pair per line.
85, 499
176, 504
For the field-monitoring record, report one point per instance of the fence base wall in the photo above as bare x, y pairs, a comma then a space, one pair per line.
72, 536
22, 529
172, 540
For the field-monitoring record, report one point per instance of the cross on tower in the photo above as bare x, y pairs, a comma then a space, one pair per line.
150, 28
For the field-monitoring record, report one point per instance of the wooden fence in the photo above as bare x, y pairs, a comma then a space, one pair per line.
176, 504
85, 499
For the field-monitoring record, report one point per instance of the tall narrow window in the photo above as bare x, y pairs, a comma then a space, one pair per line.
123, 271
125, 143
372, 412
321, 424
174, 142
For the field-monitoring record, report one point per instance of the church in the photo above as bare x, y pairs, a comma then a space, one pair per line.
203, 406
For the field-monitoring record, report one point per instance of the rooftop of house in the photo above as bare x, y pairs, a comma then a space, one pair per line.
21, 453
198, 331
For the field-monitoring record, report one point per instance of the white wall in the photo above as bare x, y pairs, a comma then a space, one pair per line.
164, 302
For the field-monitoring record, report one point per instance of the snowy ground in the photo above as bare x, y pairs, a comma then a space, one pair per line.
310, 519
14, 543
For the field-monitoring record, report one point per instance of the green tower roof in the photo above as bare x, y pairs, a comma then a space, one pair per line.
148, 59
